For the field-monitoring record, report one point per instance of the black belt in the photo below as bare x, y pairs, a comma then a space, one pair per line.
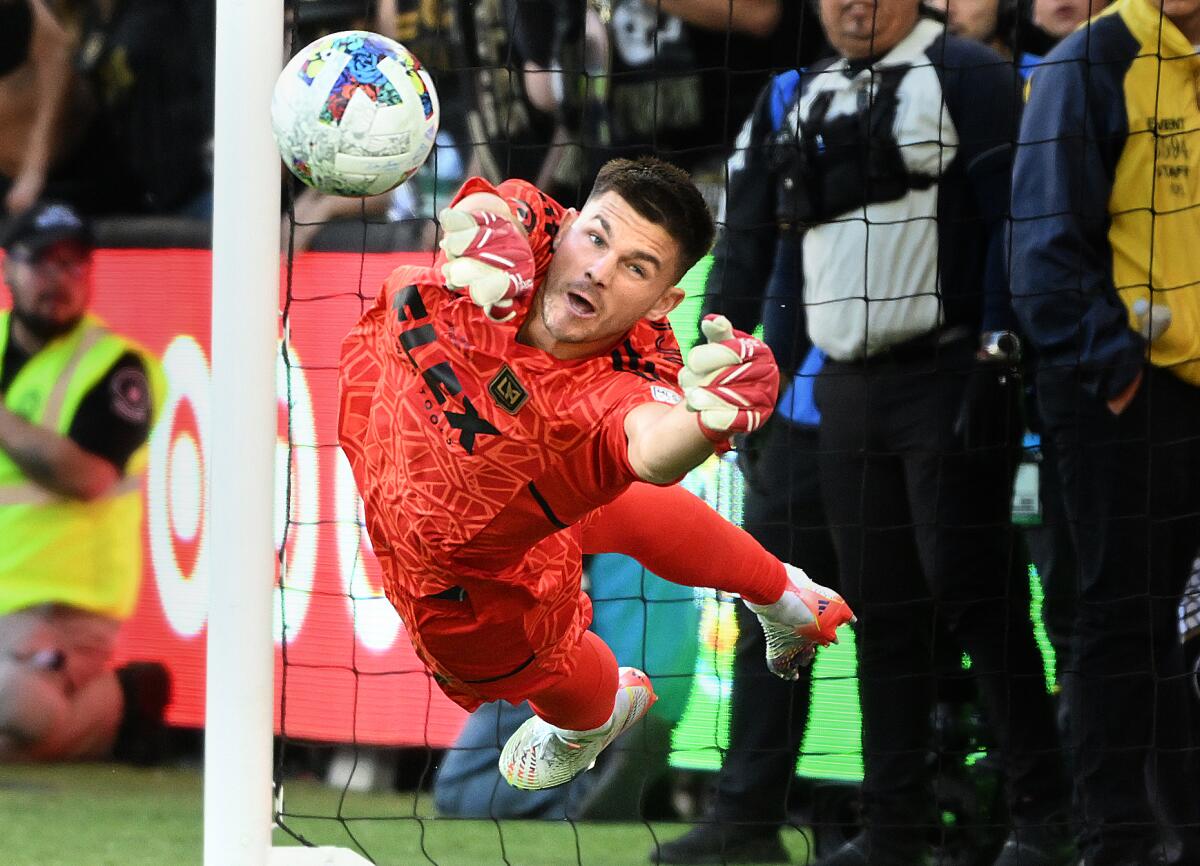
923, 348
454, 593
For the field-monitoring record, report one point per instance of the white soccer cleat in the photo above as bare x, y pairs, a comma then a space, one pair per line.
539, 755
805, 617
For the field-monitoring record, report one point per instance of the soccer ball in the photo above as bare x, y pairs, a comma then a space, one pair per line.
354, 114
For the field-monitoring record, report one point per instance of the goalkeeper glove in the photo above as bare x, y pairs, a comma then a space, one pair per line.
731, 382
488, 257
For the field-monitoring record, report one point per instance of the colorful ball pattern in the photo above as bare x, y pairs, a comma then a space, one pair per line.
354, 114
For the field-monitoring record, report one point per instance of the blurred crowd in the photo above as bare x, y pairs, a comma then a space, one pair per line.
99, 109
967, 230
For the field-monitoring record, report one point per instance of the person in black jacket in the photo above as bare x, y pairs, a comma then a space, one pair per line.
1106, 282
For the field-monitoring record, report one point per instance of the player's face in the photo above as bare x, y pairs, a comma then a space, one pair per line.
611, 267
1060, 17
971, 19
1184, 14
859, 29
51, 290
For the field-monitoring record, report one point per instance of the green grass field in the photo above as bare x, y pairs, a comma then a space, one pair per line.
107, 815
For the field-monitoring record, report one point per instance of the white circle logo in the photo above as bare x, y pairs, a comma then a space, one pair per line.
176, 489
376, 622
297, 496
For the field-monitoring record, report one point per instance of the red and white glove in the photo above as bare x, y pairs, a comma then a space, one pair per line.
732, 381
488, 257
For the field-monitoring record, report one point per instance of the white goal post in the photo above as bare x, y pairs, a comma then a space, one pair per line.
245, 310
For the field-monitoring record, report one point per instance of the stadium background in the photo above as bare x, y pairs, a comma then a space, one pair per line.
350, 675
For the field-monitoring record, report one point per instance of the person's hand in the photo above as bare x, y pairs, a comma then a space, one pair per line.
731, 382
1120, 403
25, 191
1152, 319
311, 211
488, 257
989, 412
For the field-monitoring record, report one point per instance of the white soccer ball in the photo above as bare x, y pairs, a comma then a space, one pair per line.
354, 114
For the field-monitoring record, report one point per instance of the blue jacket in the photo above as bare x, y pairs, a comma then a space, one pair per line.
1106, 200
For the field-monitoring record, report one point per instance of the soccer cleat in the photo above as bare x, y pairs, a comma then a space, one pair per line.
539, 755
805, 617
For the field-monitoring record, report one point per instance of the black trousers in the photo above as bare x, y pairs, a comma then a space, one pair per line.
768, 715
1131, 486
916, 462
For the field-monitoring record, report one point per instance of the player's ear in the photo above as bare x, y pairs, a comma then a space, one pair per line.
565, 223
669, 300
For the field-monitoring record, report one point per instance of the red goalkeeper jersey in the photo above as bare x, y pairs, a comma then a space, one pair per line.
476, 456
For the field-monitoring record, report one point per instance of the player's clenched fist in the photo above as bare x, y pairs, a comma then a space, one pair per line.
732, 381
488, 257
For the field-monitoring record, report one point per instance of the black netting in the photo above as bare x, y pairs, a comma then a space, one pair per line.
866, 209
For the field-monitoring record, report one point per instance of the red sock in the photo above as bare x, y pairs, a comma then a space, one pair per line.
679, 537
585, 699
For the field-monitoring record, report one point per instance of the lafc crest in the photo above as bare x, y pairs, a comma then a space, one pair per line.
509, 394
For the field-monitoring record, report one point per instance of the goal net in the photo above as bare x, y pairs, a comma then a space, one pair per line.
548, 90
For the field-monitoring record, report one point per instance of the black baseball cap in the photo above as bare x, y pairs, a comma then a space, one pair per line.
44, 225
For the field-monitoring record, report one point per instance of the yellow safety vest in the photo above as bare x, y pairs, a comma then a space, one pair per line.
65, 551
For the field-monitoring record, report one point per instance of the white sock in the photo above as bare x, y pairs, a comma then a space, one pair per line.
592, 733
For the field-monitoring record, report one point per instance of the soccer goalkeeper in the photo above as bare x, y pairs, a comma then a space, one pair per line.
519, 404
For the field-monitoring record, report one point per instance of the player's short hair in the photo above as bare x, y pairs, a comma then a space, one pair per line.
665, 195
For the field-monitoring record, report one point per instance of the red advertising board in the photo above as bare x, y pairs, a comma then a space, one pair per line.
351, 675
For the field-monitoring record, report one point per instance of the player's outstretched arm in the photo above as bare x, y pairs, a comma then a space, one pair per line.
664, 442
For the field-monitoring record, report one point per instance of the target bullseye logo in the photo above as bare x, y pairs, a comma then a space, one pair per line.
176, 486
375, 620
297, 496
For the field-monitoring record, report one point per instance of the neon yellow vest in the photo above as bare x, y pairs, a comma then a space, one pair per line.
56, 550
